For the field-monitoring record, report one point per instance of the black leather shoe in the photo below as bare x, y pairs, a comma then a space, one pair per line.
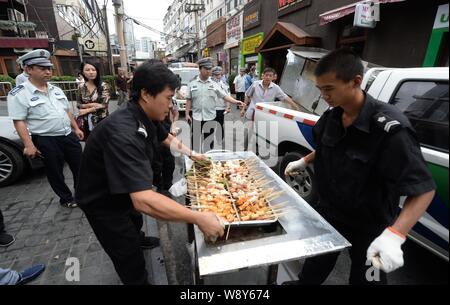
149, 242
6, 240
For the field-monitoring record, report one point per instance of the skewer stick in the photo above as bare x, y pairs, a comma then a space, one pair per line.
228, 231
279, 204
276, 194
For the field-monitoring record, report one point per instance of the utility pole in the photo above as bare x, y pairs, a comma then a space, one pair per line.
196, 8
108, 42
119, 10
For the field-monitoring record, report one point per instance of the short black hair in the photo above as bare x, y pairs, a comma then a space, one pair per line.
154, 77
344, 62
269, 70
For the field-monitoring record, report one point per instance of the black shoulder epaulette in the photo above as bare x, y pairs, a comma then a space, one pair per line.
387, 123
14, 91
142, 130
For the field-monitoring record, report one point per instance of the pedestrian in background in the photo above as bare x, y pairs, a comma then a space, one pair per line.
240, 85
221, 105
122, 86
93, 99
201, 98
42, 110
22, 77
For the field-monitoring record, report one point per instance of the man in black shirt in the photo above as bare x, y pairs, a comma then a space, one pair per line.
116, 176
366, 157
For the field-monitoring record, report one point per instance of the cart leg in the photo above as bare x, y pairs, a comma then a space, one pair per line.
273, 274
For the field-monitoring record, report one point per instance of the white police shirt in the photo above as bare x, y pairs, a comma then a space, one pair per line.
45, 114
203, 95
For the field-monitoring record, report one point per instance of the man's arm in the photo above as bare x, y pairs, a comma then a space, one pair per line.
30, 150
174, 144
288, 100
164, 208
229, 99
413, 208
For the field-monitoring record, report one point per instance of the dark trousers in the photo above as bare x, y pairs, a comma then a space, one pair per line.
219, 132
120, 236
2, 224
240, 96
316, 269
56, 151
163, 169
198, 136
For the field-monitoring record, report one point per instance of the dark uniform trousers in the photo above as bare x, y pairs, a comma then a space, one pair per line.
120, 236
199, 136
316, 269
57, 150
163, 168
219, 132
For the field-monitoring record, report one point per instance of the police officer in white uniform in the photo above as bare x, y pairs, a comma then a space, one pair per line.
42, 118
201, 98
22, 77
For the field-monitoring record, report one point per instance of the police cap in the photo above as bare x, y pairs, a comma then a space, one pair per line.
39, 57
205, 63
217, 70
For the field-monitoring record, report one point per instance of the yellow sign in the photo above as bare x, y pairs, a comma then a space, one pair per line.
250, 44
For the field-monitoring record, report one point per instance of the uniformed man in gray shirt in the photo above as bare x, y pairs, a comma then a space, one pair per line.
201, 98
22, 77
42, 118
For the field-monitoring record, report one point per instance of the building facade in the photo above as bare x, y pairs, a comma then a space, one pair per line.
401, 38
76, 30
17, 35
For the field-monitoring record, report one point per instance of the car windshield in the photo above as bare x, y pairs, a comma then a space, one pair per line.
186, 75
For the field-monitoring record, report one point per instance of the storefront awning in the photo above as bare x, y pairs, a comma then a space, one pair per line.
25, 43
187, 48
340, 12
286, 35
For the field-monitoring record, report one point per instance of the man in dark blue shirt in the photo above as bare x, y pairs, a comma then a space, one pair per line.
366, 157
115, 180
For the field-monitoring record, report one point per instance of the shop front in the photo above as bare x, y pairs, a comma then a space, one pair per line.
231, 47
281, 38
250, 56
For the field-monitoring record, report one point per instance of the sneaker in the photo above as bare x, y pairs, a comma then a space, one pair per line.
69, 205
30, 274
6, 240
149, 242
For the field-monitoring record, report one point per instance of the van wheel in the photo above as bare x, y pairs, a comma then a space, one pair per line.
12, 164
302, 183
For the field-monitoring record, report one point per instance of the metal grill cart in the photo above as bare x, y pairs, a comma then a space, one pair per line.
251, 254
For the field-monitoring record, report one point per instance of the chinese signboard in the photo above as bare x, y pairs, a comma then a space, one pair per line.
250, 44
252, 18
441, 20
288, 6
234, 31
283, 4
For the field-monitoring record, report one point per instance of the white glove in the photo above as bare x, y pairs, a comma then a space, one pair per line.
295, 167
385, 251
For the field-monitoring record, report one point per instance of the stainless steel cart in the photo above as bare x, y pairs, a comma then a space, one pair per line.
256, 252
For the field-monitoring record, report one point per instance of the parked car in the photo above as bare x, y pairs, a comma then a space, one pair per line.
422, 95
186, 75
13, 163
